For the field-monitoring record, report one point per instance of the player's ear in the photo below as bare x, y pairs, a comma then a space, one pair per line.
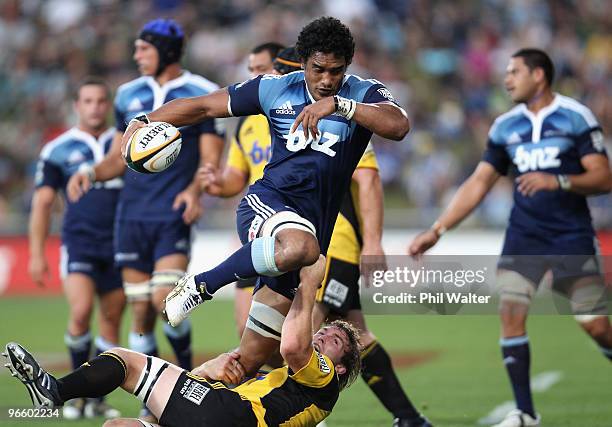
340, 369
538, 74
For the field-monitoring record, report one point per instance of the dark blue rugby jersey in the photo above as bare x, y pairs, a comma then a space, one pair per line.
88, 222
150, 196
553, 141
313, 176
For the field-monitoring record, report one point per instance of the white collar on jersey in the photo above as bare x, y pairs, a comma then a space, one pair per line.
160, 92
92, 142
538, 119
312, 100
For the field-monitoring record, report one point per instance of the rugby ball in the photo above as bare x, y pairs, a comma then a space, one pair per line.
153, 148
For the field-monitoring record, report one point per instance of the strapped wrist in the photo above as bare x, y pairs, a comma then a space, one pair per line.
345, 107
564, 182
88, 170
438, 228
140, 118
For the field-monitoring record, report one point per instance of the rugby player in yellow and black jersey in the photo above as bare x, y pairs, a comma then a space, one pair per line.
300, 394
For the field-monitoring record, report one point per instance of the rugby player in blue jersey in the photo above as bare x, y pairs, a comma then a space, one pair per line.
87, 266
155, 211
321, 120
554, 147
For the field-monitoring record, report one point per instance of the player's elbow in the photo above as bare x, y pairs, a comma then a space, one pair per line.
607, 184
399, 129
292, 349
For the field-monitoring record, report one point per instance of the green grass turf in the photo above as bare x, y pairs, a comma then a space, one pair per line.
461, 384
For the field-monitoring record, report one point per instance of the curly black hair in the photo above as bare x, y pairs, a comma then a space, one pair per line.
326, 35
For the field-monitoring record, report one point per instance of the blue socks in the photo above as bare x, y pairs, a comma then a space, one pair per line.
253, 259
79, 348
180, 340
515, 352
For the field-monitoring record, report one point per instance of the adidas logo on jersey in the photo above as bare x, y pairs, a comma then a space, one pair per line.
514, 138
286, 108
135, 105
75, 157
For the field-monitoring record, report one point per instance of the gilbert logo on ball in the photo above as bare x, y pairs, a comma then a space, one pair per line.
153, 148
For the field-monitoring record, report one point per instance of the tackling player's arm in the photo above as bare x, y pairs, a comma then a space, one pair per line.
185, 111
110, 167
38, 231
222, 183
226, 367
234, 176
296, 335
211, 147
596, 179
370, 209
385, 119
468, 196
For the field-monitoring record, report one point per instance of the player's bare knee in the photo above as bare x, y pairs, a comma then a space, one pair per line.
79, 322
297, 252
118, 422
598, 327
513, 318
124, 422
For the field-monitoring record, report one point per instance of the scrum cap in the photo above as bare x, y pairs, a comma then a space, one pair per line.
167, 36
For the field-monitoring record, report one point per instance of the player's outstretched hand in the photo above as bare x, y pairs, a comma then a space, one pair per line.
39, 270
532, 182
311, 114
78, 185
134, 124
190, 198
313, 274
422, 243
372, 259
209, 179
226, 367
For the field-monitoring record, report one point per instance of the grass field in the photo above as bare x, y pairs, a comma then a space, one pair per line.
460, 383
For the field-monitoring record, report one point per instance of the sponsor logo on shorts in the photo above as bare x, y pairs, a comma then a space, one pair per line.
79, 266
323, 366
590, 266
194, 391
254, 228
182, 245
126, 256
335, 293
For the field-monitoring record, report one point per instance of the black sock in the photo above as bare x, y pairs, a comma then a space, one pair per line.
607, 352
517, 359
79, 348
102, 345
95, 378
378, 373
180, 340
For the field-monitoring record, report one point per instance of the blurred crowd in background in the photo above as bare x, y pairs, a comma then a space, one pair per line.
443, 60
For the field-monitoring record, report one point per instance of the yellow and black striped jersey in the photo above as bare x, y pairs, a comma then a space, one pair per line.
293, 399
251, 146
